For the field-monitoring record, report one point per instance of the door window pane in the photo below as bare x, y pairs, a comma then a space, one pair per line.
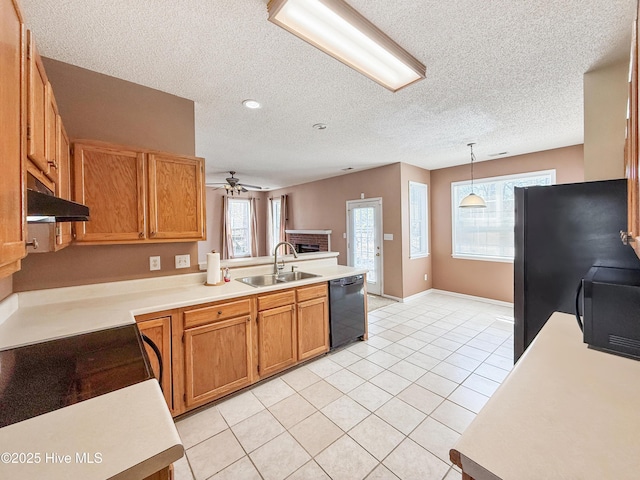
364, 240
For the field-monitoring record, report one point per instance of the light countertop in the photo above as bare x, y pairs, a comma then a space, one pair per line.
96, 426
564, 412
48, 314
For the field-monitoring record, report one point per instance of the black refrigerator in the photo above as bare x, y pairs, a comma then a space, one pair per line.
561, 231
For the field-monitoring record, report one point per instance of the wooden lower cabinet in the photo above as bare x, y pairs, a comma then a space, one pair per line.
158, 330
313, 328
164, 474
217, 359
277, 340
221, 347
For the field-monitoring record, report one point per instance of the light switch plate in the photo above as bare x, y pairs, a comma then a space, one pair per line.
388, 236
183, 261
154, 263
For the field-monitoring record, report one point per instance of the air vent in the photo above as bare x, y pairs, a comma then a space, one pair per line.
624, 342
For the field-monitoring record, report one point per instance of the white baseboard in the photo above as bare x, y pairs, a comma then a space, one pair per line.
472, 297
416, 295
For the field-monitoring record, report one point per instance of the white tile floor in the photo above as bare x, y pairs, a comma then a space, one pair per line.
388, 408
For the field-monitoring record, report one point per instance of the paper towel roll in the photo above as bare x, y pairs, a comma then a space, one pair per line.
213, 268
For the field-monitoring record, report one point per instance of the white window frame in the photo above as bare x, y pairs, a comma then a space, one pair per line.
231, 201
455, 209
424, 221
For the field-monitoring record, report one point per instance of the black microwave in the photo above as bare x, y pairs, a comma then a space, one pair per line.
612, 310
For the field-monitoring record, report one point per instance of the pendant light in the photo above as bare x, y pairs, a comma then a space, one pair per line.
472, 200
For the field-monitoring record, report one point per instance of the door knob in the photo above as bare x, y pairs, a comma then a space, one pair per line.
377, 254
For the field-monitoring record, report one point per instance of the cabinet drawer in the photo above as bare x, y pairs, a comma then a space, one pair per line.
313, 291
222, 311
274, 300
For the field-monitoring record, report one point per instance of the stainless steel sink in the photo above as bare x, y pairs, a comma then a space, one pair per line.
271, 279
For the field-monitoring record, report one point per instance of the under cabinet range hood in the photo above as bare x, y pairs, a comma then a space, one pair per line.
44, 207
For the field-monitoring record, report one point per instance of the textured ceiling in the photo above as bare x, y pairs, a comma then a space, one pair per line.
505, 74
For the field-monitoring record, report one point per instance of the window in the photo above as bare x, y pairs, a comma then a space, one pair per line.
418, 217
239, 214
275, 223
487, 233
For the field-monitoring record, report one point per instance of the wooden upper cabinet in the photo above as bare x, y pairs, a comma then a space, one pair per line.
36, 108
632, 150
12, 137
63, 183
111, 182
176, 199
51, 141
136, 196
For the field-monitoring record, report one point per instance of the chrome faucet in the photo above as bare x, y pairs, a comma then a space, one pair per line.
275, 255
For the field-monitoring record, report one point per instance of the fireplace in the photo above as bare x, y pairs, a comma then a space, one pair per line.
307, 241
307, 247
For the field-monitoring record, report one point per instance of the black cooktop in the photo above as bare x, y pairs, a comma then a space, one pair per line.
37, 379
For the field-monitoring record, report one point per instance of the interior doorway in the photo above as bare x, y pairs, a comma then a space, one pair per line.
364, 240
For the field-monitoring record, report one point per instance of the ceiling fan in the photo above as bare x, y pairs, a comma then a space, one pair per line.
234, 186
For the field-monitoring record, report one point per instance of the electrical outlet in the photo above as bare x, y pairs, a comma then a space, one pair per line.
154, 263
183, 261
425, 277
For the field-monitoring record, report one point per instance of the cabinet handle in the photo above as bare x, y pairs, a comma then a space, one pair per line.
219, 312
626, 237
141, 235
153, 234
53, 164
156, 350
33, 243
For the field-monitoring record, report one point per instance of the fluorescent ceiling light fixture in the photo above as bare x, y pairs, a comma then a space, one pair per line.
337, 29
251, 104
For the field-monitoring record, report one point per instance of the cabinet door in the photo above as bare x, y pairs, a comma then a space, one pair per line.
159, 332
111, 183
63, 184
313, 328
176, 197
217, 359
277, 340
631, 151
51, 147
37, 107
12, 137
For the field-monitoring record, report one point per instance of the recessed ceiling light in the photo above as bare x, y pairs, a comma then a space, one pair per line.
251, 104
320, 126
497, 154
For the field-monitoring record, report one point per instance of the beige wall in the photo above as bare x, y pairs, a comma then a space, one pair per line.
322, 205
94, 106
605, 108
475, 277
6, 287
414, 269
99, 107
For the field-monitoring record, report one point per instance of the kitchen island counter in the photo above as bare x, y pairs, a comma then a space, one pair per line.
564, 412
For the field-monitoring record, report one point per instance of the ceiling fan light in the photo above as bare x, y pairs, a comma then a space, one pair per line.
339, 30
473, 201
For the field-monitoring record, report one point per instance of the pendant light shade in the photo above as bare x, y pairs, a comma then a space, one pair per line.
472, 200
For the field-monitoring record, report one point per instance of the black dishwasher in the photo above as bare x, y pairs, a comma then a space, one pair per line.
346, 310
